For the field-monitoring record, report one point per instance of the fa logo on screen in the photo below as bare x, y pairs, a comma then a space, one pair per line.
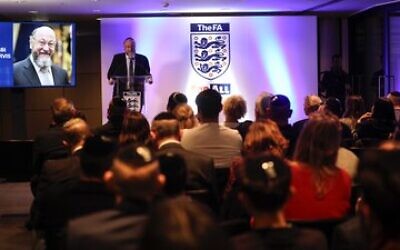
210, 49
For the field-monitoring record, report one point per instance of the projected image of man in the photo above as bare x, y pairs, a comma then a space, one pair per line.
37, 69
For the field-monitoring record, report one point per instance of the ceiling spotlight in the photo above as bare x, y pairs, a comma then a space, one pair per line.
33, 12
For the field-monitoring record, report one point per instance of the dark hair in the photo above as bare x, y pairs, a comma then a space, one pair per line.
354, 107
181, 224
135, 128
379, 176
209, 103
116, 111
96, 156
280, 107
174, 99
334, 106
135, 155
383, 110
173, 166
266, 182
165, 125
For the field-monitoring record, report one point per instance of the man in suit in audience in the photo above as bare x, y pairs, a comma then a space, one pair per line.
135, 179
38, 69
200, 169
58, 174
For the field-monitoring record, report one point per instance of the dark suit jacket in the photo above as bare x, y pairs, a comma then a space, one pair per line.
350, 236
111, 229
26, 76
200, 170
118, 66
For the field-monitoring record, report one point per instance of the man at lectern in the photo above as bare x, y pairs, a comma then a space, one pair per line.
125, 67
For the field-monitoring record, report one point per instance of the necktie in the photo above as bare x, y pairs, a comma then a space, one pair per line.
131, 73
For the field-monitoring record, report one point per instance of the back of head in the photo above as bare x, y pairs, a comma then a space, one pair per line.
165, 125
263, 137
379, 176
62, 110
135, 173
394, 97
96, 156
173, 167
383, 110
311, 104
135, 128
319, 141
234, 107
209, 104
184, 113
266, 182
181, 224
75, 131
175, 99
116, 110
334, 106
280, 108
262, 105
355, 107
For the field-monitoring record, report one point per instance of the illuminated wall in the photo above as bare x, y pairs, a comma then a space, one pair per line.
277, 54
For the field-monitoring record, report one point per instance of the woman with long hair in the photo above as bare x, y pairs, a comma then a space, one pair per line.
321, 189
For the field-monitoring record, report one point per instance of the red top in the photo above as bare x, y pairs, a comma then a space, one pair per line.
306, 204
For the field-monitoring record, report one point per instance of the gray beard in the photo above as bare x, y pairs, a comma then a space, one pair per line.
43, 62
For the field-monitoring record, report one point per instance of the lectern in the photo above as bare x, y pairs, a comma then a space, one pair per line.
132, 89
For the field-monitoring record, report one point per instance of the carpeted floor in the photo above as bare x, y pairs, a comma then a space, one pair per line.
15, 201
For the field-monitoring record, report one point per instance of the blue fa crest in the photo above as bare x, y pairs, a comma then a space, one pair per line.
210, 49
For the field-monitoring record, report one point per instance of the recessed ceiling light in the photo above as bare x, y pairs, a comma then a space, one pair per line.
96, 11
33, 11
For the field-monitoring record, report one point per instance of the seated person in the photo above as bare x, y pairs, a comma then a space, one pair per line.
266, 188
321, 189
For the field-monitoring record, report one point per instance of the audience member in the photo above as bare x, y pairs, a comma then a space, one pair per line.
377, 226
322, 190
394, 97
311, 105
184, 113
354, 109
136, 180
379, 124
280, 113
62, 202
175, 99
135, 129
115, 116
173, 167
234, 109
200, 168
263, 137
179, 224
266, 189
55, 173
262, 106
334, 106
48, 144
210, 138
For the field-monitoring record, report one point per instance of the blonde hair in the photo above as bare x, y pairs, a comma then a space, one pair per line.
234, 107
265, 136
185, 116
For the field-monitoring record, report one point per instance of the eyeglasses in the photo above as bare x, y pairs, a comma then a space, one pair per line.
43, 43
